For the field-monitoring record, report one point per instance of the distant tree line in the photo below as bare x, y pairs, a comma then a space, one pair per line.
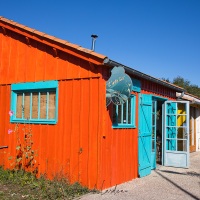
187, 85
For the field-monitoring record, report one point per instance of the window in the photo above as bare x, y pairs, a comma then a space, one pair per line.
124, 115
35, 102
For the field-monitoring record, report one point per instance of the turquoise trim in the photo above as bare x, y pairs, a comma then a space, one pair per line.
38, 87
132, 120
123, 126
35, 85
31, 105
154, 125
136, 85
34, 121
159, 98
39, 105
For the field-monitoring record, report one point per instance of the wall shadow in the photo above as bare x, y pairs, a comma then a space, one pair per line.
176, 185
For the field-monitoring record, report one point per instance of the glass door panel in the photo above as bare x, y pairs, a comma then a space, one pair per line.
176, 132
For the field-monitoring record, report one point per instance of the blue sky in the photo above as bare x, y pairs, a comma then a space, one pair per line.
157, 37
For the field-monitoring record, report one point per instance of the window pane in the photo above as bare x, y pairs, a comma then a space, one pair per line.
181, 108
124, 113
153, 145
34, 105
34, 102
171, 144
182, 145
114, 114
119, 114
52, 105
129, 110
26, 105
153, 132
171, 120
181, 133
153, 119
19, 105
171, 108
43, 105
153, 106
171, 132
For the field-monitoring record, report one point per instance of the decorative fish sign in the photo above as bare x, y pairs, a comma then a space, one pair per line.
118, 87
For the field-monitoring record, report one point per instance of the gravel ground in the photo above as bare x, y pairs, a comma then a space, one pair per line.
163, 183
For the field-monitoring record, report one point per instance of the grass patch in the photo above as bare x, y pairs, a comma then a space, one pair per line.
23, 185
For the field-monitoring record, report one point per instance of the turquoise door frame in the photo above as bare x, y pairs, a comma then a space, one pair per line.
145, 134
154, 125
176, 134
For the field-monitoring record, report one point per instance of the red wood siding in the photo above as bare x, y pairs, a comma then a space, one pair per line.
149, 87
79, 145
20, 62
82, 145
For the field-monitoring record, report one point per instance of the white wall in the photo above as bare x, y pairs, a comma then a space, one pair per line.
198, 129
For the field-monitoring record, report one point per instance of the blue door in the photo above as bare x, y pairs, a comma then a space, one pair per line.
176, 134
145, 134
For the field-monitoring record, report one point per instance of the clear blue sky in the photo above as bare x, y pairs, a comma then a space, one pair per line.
157, 37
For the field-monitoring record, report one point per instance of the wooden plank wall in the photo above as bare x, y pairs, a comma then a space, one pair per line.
82, 145
79, 145
20, 62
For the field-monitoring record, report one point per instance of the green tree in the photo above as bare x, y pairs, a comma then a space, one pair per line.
165, 79
186, 84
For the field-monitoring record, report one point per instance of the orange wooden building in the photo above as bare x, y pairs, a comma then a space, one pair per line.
59, 90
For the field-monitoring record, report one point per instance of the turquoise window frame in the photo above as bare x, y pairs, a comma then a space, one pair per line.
132, 110
43, 86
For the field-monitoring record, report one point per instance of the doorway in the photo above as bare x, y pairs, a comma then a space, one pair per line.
156, 155
163, 133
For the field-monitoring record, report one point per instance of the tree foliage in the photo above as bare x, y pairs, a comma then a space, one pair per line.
186, 84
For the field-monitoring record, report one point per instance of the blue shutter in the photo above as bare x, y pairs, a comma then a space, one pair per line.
145, 134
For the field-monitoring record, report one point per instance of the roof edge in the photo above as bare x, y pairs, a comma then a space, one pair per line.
55, 42
143, 75
189, 97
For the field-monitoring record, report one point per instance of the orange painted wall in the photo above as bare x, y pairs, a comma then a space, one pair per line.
20, 62
83, 143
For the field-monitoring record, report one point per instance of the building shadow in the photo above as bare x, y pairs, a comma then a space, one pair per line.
176, 185
179, 173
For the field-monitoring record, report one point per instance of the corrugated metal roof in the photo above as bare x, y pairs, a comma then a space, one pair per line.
32, 33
